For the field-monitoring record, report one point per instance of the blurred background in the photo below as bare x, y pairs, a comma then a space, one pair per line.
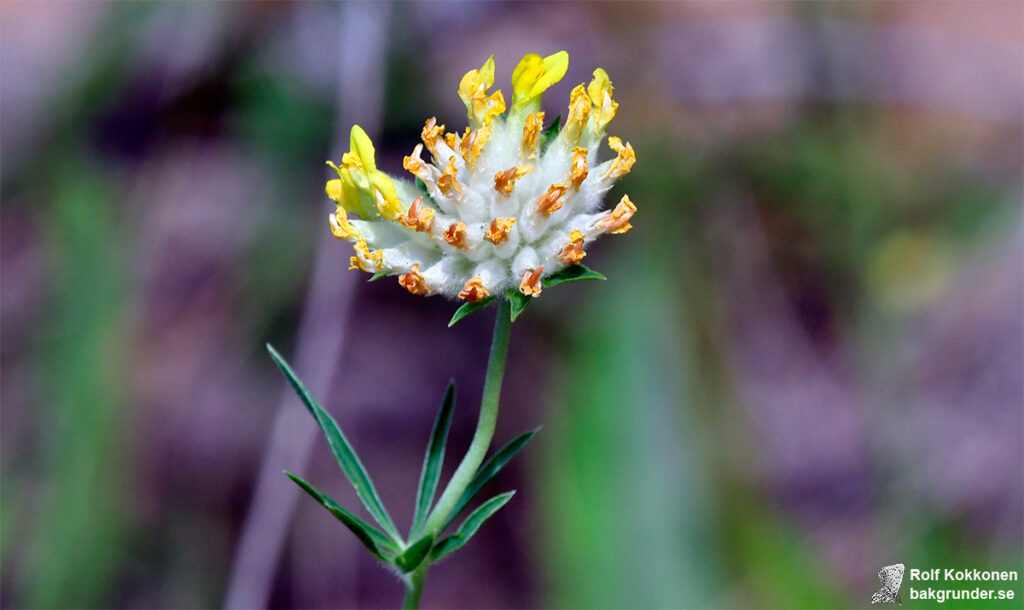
806, 363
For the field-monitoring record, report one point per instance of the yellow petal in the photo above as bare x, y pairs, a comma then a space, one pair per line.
624, 160
473, 91
361, 145
525, 74
333, 189
341, 227
579, 114
531, 135
534, 75
600, 92
474, 80
555, 67
599, 85
618, 221
578, 167
360, 186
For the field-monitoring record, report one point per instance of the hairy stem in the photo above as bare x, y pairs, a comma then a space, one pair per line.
485, 425
414, 588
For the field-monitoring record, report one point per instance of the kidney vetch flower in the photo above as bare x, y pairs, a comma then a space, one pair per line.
500, 207
494, 215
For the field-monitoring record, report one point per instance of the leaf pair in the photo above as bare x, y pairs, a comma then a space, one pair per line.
519, 301
389, 547
431, 474
469, 527
342, 450
377, 542
380, 545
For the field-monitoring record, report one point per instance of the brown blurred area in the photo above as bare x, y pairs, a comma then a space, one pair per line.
806, 363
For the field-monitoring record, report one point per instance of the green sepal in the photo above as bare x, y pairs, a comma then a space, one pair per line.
342, 450
469, 526
486, 472
378, 275
572, 273
549, 134
518, 302
427, 198
422, 186
468, 308
432, 461
414, 555
372, 538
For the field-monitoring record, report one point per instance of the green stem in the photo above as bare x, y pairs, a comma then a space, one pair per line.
485, 425
414, 588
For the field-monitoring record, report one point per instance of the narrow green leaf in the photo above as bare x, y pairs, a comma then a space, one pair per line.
572, 273
518, 301
490, 468
432, 461
468, 308
377, 276
371, 537
549, 134
470, 526
342, 450
414, 555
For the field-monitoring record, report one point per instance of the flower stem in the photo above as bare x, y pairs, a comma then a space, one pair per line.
485, 425
414, 588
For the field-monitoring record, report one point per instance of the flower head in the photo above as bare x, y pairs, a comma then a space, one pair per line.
500, 206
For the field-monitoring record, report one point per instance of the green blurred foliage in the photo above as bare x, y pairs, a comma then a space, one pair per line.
85, 539
83, 524
645, 507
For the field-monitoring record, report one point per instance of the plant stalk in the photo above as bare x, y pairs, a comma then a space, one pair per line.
476, 452
485, 425
414, 588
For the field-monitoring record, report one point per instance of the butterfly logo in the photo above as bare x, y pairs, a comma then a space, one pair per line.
891, 578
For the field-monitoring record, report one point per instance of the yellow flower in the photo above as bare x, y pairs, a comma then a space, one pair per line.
534, 75
473, 91
360, 185
600, 92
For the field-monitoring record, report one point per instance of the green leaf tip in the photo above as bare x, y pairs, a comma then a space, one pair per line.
342, 450
469, 308
549, 133
518, 302
489, 469
372, 538
433, 460
377, 276
572, 273
469, 527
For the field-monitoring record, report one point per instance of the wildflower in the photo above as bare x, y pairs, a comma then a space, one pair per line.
499, 207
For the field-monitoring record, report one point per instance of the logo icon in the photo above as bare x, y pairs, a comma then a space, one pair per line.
891, 578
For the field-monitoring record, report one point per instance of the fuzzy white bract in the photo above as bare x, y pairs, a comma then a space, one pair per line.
500, 206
